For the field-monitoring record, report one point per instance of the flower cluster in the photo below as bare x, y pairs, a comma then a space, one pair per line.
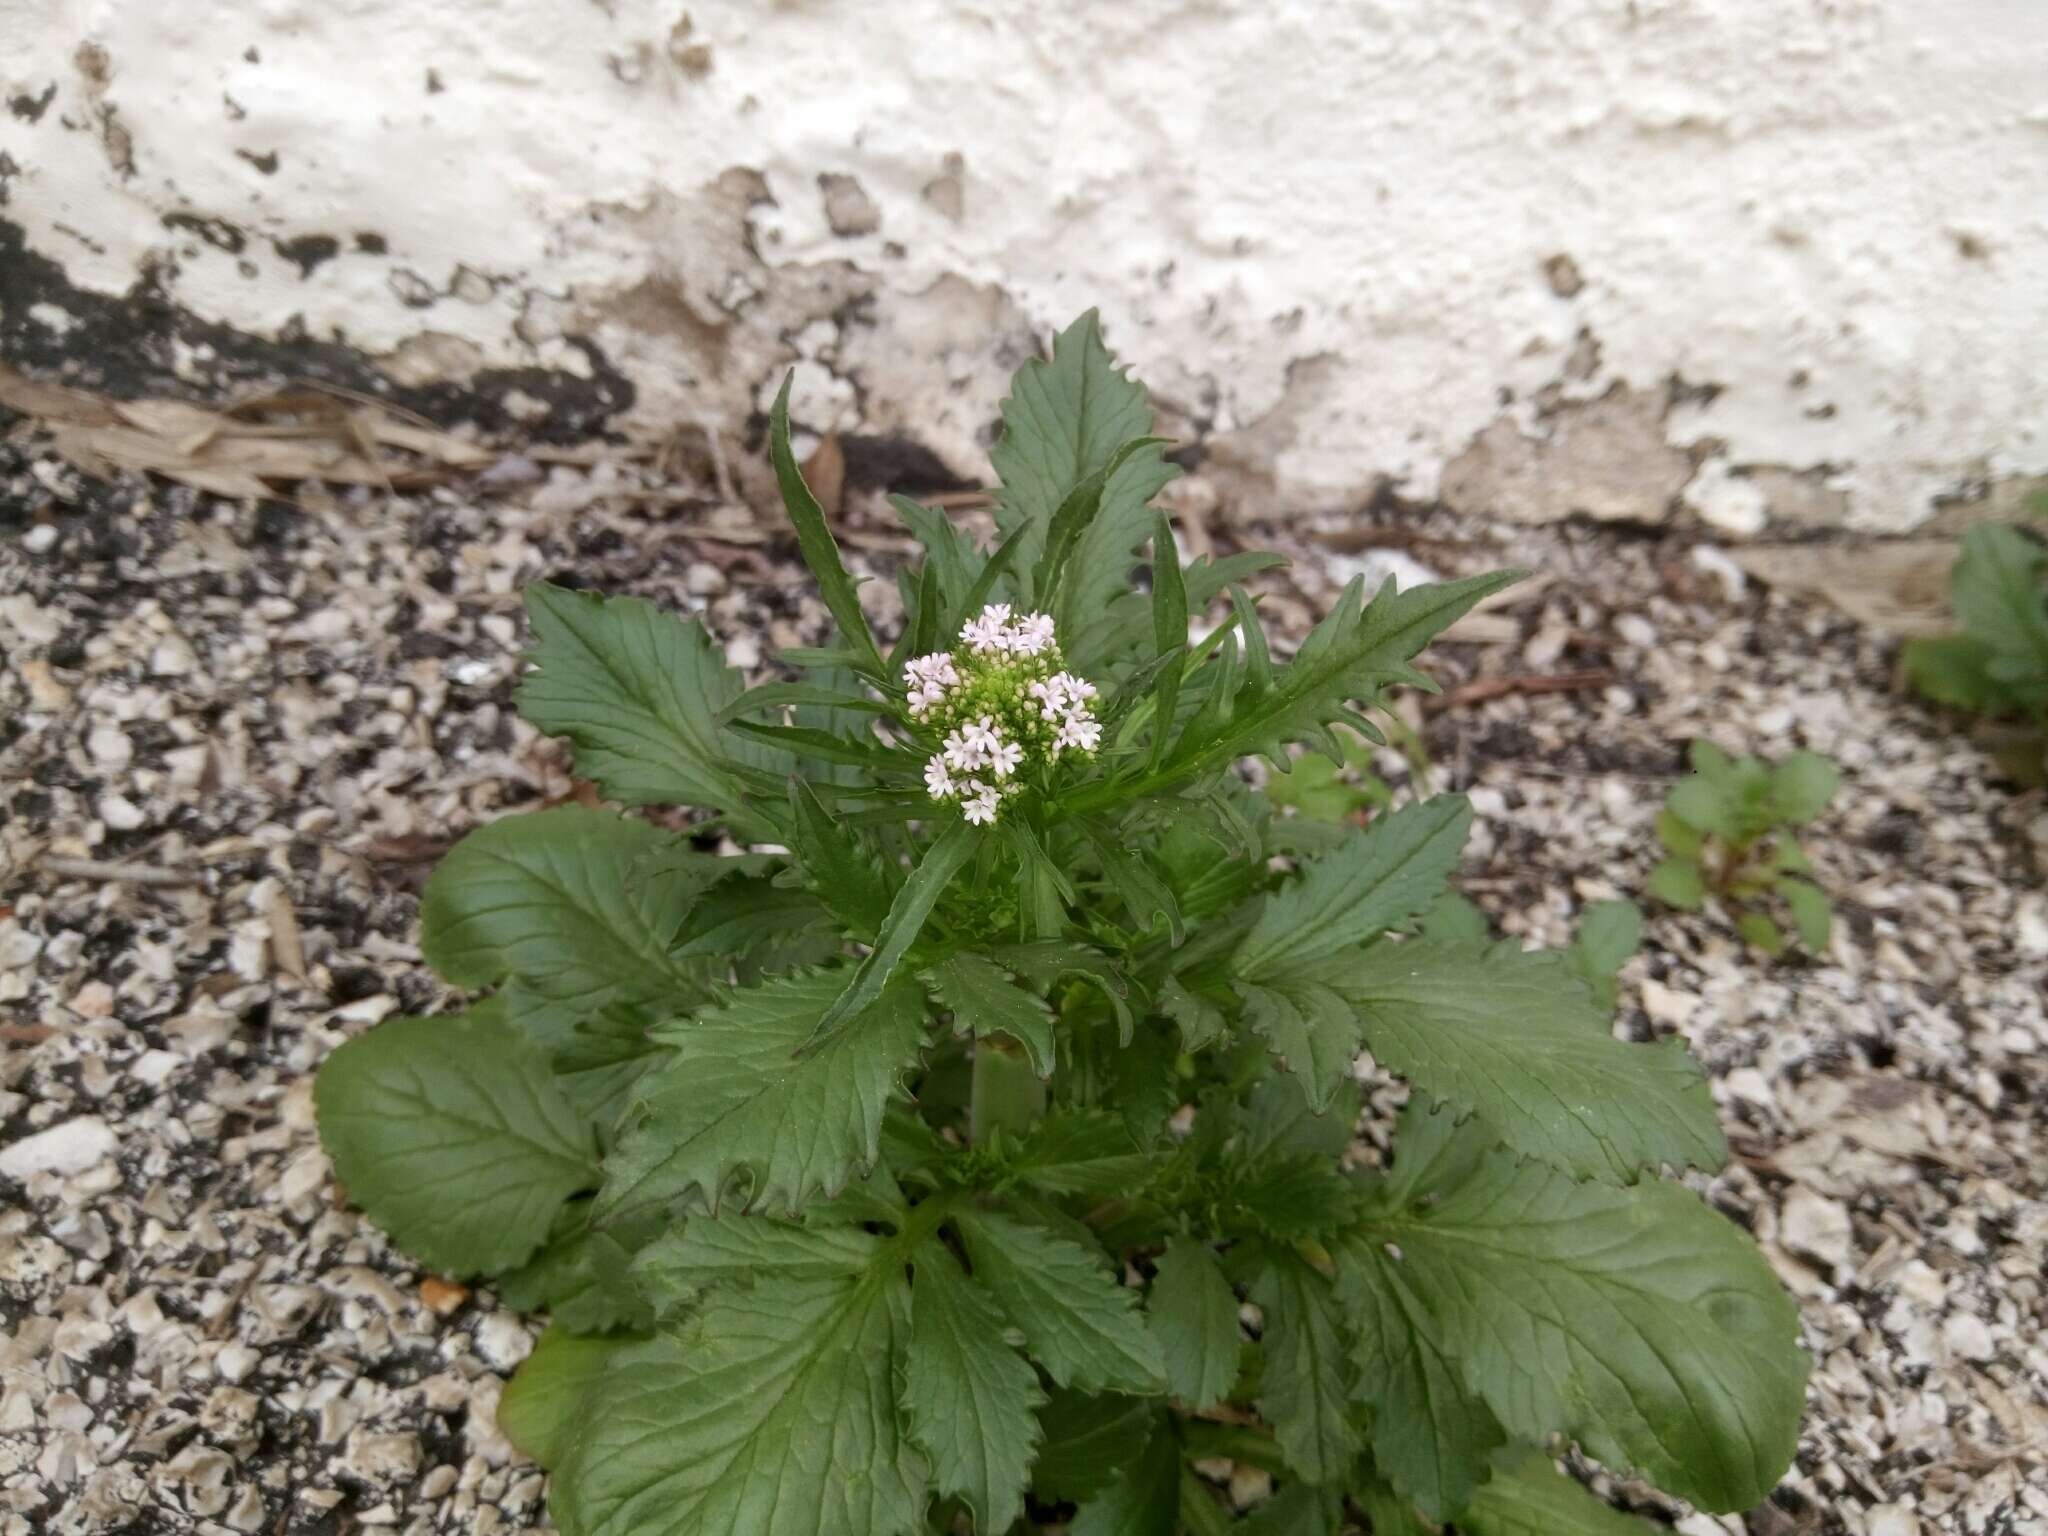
1003, 704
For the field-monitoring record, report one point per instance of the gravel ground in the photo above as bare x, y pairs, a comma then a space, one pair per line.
279, 716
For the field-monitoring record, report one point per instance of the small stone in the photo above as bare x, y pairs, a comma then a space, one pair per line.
120, 813
94, 1000
172, 657
71, 1147
1636, 630
1893, 1520
1667, 1005
44, 691
503, 1341
110, 747
1965, 1335
235, 1361
704, 580
381, 1458
1817, 1228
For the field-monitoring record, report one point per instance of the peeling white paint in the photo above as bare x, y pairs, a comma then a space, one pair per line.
1327, 233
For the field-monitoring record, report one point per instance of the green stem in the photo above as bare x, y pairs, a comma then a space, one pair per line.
1006, 1093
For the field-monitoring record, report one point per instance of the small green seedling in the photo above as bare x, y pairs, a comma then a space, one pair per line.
1314, 785
1609, 933
1997, 668
1727, 830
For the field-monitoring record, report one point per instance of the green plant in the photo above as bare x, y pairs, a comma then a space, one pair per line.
1997, 667
918, 1177
1728, 832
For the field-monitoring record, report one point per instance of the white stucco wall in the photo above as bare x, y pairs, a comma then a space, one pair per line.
1772, 257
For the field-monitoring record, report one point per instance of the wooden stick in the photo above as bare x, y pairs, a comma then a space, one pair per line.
1500, 687
125, 874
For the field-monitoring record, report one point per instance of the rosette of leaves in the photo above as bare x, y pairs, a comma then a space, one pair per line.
1997, 668
935, 1177
1727, 831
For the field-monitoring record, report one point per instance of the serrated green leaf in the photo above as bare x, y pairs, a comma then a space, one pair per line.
838, 863
949, 554
1810, 913
1299, 1510
1634, 1320
1064, 420
1352, 654
734, 1095
542, 1406
1192, 1312
1088, 1439
1077, 513
451, 1135
582, 906
984, 1000
1169, 632
772, 1412
1679, 837
1531, 1498
1706, 807
1294, 1197
1758, 930
814, 540
1081, 1325
1453, 919
1431, 1438
1956, 670
1802, 785
1308, 1382
1201, 1021
1280, 1121
1141, 1500
1376, 880
1309, 1023
638, 693
1609, 933
706, 1252
1514, 1038
971, 1400
582, 1279
908, 912
1677, 882
1998, 595
1080, 1152
1046, 962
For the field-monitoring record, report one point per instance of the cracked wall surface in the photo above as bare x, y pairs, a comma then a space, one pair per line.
1754, 261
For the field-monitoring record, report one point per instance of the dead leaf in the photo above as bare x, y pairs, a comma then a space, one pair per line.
249, 449
825, 473
443, 1296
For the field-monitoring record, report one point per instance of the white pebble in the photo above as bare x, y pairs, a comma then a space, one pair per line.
110, 746
503, 1341
120, 813
71, 1147
1816, 1227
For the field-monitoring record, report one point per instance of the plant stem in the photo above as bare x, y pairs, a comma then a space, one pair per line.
1006, 1093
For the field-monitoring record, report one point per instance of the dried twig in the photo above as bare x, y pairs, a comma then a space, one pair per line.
1500, 687
114, 873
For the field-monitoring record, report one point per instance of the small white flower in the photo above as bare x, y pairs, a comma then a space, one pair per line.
1004, 758
980, 807
1080, 729
938, 780
989, 632
1074, 689
962, 754
982, 735
1032, 634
